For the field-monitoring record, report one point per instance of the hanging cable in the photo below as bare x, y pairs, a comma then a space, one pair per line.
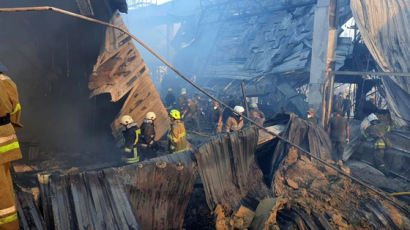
49, 8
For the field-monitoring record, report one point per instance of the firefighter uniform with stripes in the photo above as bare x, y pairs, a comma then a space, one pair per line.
377, 132
131, 137
10, 111
177, 141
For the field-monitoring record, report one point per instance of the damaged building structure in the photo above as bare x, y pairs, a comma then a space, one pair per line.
77, 78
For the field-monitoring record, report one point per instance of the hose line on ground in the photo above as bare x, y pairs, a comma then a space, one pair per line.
54, 9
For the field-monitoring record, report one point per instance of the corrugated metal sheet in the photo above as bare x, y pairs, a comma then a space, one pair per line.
228, 170
121, 69
149, 195
244, 39
385, 28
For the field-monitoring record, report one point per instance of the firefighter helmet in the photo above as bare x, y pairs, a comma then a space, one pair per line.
175, 114
151, 116
126, 120
238, 109
253, 105
3, 68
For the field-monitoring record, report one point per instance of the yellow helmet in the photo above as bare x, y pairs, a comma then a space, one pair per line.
151, 116
126, 120
175, 114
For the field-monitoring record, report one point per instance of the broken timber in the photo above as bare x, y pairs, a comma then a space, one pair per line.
119, 70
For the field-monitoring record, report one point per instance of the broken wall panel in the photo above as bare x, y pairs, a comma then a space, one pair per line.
118, 64
120, 69
228, 170
142, 99
148, 195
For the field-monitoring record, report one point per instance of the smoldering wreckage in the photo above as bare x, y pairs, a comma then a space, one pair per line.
284, 175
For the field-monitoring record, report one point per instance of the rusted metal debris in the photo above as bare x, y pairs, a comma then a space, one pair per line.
138, 196
228, 170
282, 188
119, 70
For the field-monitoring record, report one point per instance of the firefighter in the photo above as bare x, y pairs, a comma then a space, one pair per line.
131, 136
191, 115
257, 115
377, 132
183, 100
148, 133
10, 111
216, 117
177, 141
235, 122
170, 101
311, 116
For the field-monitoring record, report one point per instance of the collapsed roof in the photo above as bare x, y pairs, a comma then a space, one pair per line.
385, 28
245, 39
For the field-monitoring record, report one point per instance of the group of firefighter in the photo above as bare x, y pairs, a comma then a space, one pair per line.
186, 111
194, 109
144, 138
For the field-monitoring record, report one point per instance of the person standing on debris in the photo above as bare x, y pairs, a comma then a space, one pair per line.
177, 141
377, 132
216, 117
191, 115
339, 133
148, 133
131, 137
311, 116
10, 112
235, 122
183, 101
257, 115
170, 101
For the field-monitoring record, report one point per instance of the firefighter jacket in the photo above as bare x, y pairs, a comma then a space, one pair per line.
148, 132
177, 141
234, 124
131, 136
10, 112
9, 150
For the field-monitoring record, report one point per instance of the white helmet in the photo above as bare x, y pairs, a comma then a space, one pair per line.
372, 117
183, 91
239, 109
150, 116
126, 120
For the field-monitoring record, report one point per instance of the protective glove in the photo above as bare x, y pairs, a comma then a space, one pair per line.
151, 142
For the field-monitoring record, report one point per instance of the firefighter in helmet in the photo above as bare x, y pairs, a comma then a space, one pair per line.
177, 141
131, 135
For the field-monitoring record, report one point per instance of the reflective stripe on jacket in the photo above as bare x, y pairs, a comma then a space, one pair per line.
379, 144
